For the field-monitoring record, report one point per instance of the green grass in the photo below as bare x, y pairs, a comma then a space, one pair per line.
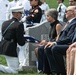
3, 61
53, 3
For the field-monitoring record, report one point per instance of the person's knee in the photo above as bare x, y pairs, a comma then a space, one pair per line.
36, 50
41, 49
47, 50
54, 49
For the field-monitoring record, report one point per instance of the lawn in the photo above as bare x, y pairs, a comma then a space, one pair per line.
53, 3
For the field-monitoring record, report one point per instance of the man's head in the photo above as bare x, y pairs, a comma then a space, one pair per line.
72, 2
60, 1
70, 12
51, 14
17, 12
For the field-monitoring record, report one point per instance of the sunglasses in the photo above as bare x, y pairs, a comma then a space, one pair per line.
68, 10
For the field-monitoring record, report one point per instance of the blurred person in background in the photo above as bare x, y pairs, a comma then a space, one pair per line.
61, 11
44, 6
11, 4
3, 11
72, 2
25, 4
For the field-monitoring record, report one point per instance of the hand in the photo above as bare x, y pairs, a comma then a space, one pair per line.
49, 44
71, 47
43, 42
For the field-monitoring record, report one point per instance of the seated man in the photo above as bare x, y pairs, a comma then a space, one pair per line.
56, 50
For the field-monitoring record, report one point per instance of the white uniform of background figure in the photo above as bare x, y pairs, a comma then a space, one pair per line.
3, 11
44, 8
61, 11
11, 4
25, 3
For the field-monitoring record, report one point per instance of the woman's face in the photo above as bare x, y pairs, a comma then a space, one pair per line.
49, 18
33, 2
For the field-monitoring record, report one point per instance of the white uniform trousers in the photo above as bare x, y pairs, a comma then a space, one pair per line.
12, 65
22, 55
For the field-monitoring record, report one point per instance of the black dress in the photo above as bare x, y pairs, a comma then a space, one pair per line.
42, 59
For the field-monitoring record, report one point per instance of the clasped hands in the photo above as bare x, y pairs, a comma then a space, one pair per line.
46, 44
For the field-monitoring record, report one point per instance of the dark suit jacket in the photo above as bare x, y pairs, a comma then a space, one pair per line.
15, 32
74, 38
66, 36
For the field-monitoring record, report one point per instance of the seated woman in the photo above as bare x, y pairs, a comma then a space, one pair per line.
71, 59
55, 28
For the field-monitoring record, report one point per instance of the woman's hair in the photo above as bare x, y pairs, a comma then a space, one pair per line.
52, 12
62, 0
39, 2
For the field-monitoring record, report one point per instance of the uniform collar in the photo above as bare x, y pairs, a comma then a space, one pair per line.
15, 19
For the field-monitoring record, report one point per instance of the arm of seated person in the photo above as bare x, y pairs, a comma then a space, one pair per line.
58, 29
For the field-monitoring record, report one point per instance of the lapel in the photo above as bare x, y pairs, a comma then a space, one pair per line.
74, 38
73, 22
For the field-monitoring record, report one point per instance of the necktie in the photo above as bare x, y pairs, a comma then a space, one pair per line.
63, 29
65, 25
60, 8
